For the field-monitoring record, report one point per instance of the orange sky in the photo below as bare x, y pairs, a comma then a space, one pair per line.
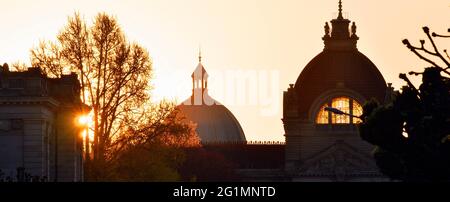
274, 37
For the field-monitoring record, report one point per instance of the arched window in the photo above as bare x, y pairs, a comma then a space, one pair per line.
345, 104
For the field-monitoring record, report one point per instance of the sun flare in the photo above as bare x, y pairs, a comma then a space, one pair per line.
84, 120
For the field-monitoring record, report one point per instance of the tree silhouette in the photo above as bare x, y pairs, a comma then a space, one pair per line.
412, 133
18, 66
115, 81
153, 149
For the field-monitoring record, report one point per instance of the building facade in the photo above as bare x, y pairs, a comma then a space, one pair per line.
321, 145
39, 137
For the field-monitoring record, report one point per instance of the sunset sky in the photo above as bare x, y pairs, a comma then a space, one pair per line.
278, 37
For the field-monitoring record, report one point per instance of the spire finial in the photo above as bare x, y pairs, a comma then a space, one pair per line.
199, 53
340, 10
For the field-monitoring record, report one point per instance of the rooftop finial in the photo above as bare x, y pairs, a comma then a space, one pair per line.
199, 54
327, 29
340, 10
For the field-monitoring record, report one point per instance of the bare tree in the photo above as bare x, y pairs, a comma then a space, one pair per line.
19, 66
114, 75
153, 146
435, 52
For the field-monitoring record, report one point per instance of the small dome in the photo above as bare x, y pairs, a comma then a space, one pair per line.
215, 123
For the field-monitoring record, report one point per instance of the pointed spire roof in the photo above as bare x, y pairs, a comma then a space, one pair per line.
200, 70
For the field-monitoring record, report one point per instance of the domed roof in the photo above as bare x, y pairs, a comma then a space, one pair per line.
215, 123
350, 68
339, 64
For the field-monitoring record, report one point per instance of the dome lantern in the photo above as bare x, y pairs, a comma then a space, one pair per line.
339, 66
340, 37
199, 82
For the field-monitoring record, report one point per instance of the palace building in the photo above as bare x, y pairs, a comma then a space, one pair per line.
38, 135
39, 140
319, 145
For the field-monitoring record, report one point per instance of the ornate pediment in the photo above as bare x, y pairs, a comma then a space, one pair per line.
339, 162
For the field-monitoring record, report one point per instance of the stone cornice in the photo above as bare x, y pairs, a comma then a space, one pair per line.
48, 101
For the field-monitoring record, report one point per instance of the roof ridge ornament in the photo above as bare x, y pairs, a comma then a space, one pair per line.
327, 29
354, 30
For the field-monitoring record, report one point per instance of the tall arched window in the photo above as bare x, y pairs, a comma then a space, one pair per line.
345, 104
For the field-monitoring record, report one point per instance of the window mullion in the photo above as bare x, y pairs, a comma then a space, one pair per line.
351, 110
330, 118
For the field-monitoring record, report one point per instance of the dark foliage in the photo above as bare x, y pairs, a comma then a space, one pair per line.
412, 132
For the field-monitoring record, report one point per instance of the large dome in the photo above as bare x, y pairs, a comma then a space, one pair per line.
215, 123
340, 64
351, 69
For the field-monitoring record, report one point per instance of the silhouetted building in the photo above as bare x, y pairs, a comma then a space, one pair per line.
254, 161
320, 145
38, 134
215, 123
